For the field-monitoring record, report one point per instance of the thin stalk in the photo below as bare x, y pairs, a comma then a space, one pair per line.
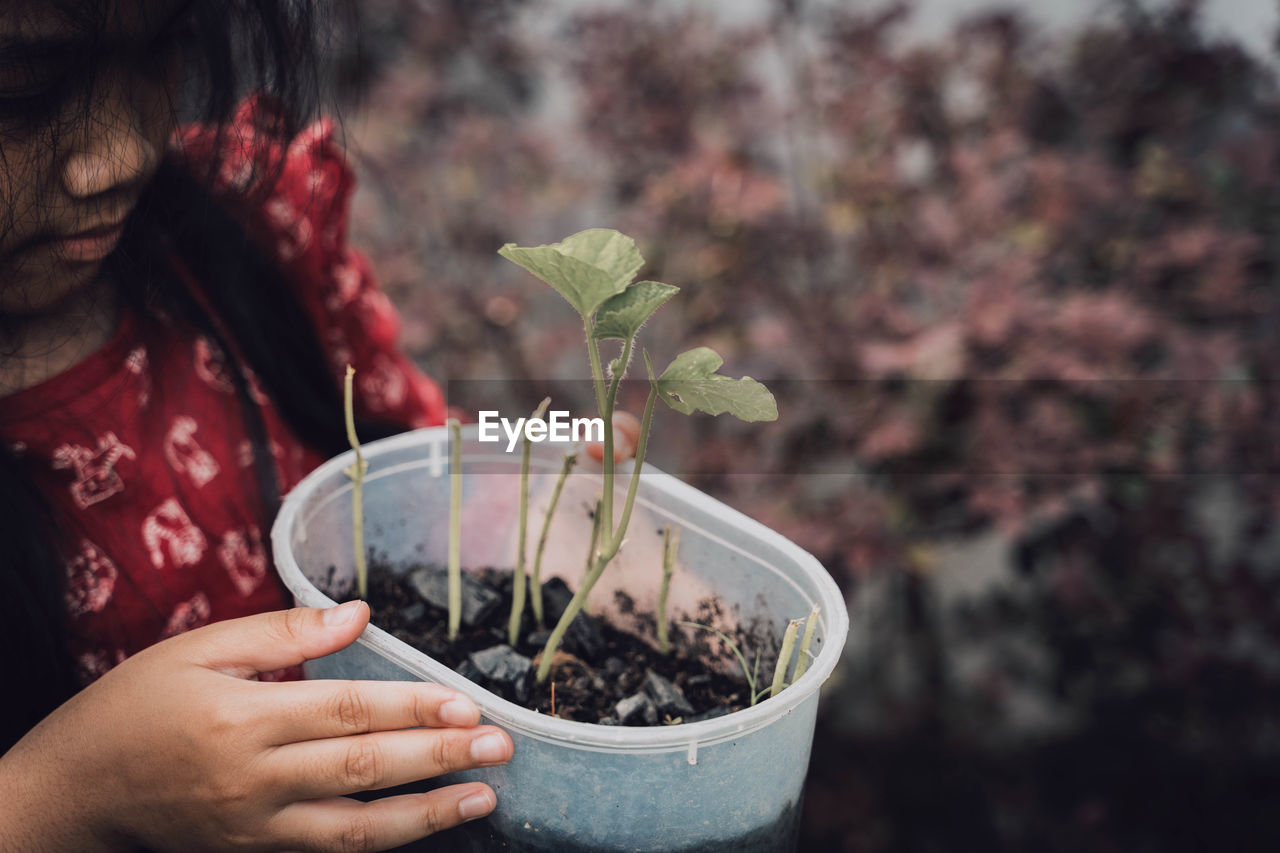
535, 587
608, 549
784, 657
733, 647
595, 536
623, 361
591, 573
597, 372
755, 679
356, 472
455, 528
606, 414
518, 575
641, 448
802, 663
670, 544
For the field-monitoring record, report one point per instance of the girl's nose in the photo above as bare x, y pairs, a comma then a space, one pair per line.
114, 150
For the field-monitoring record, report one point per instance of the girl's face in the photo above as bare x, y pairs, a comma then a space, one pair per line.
84, 121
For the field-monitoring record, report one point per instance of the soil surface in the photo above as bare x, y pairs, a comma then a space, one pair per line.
601, 674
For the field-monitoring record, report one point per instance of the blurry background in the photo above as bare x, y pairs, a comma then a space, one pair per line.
1014, 277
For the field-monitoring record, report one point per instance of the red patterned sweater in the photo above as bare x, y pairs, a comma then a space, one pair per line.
142, 448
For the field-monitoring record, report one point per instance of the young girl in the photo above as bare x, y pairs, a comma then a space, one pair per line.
177, 304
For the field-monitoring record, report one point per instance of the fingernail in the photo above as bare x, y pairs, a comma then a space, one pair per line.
474, 806
458, 712
489, 749
342, 614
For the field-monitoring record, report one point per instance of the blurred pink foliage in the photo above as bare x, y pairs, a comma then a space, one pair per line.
996, 286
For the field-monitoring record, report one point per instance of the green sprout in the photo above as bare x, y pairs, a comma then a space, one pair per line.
670, 545
751, 675
518, 578
784, 657
455, 528
594, 271
356, 471
802, 663
535, 585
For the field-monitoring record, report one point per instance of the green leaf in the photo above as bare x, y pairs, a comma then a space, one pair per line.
623, 315
586, 268
690, 383
605, 249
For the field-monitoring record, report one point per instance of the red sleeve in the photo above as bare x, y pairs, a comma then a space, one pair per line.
303, 224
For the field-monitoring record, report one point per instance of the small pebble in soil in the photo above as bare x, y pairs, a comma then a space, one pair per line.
478, 601
584, 638
666, 696
613, 667
413, 612
637, 710
556, 596
504, 670
470, 671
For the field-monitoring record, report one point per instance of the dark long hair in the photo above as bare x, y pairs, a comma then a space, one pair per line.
232, 47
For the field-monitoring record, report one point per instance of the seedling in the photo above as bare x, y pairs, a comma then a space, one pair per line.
802, 663
780, 682
670, 545
749, 674
518, 578
535, 587
784, 657
594, 271
455, 528
356, 471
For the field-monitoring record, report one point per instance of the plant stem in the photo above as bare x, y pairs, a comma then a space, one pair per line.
670, 544
608, 549
597, 372
733, 647
755, 679
356, 472
784, 657
642, 447
518, 575
535, 588
606, 414
591, 573
802, 663
455, 528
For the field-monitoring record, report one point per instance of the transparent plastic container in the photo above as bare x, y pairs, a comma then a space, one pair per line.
729, 783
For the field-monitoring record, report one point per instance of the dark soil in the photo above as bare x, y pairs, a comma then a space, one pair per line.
597, 667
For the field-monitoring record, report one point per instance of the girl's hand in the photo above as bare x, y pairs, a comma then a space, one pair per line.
626, 437
179, 748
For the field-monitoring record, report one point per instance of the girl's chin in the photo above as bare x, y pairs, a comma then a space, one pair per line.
30, 291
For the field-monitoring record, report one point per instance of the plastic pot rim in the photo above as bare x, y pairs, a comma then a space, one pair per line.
589, 736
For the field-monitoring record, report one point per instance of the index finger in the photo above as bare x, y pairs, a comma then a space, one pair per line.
311, 710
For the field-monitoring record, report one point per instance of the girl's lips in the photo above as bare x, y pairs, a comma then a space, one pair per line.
88, 245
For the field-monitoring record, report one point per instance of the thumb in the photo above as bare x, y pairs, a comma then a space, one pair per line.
270, 641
